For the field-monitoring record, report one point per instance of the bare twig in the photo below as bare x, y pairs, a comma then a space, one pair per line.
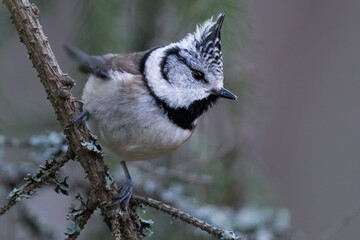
217, 232
38, 229
58, 86
41, 178
178, 174
345, 220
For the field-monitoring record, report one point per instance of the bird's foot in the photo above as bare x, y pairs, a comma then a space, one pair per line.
82, 117
124, 196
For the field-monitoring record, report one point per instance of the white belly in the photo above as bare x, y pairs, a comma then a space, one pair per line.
134, 142
128, 122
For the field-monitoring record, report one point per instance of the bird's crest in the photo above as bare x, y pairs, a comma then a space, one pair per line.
206, 40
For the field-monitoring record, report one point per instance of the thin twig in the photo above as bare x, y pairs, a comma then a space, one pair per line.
345, 220
38, 229
182, 175
41, 178
174, 212
87, 211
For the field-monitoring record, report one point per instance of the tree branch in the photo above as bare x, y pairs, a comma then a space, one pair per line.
174, 212
39, 229
82, 215
58, 86
36, 181
331, 232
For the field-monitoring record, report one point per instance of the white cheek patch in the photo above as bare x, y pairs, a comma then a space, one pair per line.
173, 96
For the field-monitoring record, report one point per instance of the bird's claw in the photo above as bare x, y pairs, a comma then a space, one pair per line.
82, 117
124, 196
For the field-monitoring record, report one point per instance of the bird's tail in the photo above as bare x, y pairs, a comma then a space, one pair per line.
87, 63
77, 54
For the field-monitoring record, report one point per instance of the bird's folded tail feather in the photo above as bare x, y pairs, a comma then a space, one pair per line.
87, 63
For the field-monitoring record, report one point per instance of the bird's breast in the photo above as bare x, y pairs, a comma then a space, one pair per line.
127, 121
132, 140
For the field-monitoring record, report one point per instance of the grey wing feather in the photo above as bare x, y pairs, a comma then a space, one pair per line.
101, 65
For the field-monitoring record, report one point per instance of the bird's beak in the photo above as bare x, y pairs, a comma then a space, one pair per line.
224, 93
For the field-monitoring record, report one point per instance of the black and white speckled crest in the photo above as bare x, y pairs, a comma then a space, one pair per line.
209, 44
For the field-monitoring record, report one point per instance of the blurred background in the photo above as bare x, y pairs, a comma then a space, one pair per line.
282, 162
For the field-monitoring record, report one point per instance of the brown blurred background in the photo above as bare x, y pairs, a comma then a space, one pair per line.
295, 126
306, 55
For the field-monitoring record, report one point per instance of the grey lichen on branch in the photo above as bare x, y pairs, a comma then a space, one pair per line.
176, 213
33, 182
80, 216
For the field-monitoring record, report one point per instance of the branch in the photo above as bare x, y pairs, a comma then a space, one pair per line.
34, 182
58, 86
181, 174
340, 224
82, 215
39, 229
174, 212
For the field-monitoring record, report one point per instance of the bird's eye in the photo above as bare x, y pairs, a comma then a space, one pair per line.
198, 75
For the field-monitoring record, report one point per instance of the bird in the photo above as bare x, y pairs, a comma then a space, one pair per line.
145, 104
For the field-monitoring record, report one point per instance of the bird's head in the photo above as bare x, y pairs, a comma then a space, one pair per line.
189, 73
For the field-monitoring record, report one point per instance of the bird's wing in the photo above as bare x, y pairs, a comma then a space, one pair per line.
102, 65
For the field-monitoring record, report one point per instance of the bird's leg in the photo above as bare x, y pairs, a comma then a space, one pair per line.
82, 117
127, 188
